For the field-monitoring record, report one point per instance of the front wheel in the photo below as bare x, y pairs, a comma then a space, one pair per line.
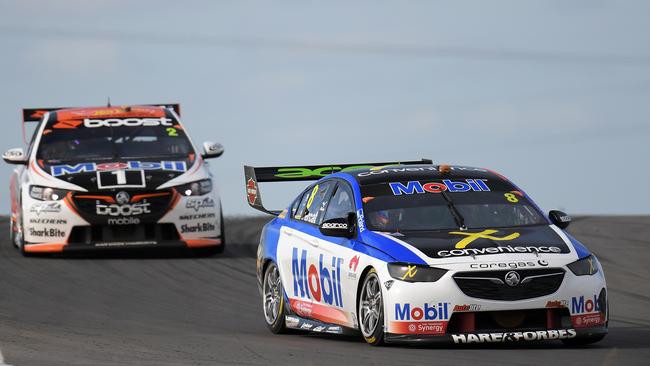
371, 310
18, 239
273, 300
220, 249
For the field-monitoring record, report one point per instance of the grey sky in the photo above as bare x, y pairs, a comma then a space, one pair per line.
553, 94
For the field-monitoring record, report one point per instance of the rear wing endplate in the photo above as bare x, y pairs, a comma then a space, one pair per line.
255, 175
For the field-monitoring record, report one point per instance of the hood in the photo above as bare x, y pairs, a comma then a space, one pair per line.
140, 174
459, 244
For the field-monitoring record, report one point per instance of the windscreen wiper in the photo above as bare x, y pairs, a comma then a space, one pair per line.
460, 220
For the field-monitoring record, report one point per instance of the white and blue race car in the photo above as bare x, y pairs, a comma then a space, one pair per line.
417, 252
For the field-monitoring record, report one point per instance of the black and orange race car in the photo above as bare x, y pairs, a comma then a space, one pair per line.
113, 177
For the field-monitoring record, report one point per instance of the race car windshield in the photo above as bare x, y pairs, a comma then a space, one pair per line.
408, 206
108, 143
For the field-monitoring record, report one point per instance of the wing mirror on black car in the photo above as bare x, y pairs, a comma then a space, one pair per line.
559, 218
15, 156
212, 150
342, 227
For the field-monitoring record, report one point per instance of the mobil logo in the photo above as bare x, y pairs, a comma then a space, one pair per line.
428, 312
417, 187
319, 281
174, 166
579, 305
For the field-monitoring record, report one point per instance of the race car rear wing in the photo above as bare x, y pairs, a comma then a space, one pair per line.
255, 175
32, 115
36, 114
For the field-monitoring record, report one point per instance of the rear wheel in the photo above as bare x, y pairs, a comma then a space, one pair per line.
371, 310
273, 300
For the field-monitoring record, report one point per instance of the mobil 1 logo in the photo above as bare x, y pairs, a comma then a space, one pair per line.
121, 179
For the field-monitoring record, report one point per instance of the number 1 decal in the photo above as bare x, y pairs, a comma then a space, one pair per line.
121, 176
121, 179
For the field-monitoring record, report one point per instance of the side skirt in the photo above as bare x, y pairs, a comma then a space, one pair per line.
295, 322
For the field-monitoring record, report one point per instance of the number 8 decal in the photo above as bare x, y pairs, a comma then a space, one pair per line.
511, 197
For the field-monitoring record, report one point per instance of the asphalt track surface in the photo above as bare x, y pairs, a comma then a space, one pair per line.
174, 309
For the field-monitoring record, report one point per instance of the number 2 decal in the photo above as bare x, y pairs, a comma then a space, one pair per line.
171, 131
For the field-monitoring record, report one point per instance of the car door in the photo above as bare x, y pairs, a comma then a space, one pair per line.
341, 262
298, 251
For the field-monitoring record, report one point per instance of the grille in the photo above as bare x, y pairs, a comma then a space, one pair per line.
509, 320
153, 204
123, 233
492, 285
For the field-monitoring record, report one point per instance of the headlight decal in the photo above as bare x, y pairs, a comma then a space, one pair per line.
415, 273
587, 266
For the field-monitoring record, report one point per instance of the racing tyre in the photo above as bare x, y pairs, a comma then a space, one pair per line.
371, 310
12, 234
273, 300
221, 247
19, 241
583, 341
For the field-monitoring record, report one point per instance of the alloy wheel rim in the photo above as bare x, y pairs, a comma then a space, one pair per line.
370, 306
272, 295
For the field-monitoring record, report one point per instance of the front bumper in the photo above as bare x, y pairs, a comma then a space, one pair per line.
117, 245
500, 337
442, 311
59, 226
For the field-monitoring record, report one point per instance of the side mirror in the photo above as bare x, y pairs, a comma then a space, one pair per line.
342, 227
559, 218
15, 156
212, 150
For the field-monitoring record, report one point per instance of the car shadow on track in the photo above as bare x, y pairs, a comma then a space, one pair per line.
231, 251
619, 337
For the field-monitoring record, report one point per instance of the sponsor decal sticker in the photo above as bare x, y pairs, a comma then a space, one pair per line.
540, 335
417, 169
47, 232
361, 221
502, 265
499, 250
467, 307
123, 243
557, 304
318, 281
127, 122
45, 207
65, 169
416, 187
354, 263
45, 221
251, 191
586, 313
293, 173
485, 234
429, 319
334, 225
198, 203
134, 209
198, 227
192, 217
